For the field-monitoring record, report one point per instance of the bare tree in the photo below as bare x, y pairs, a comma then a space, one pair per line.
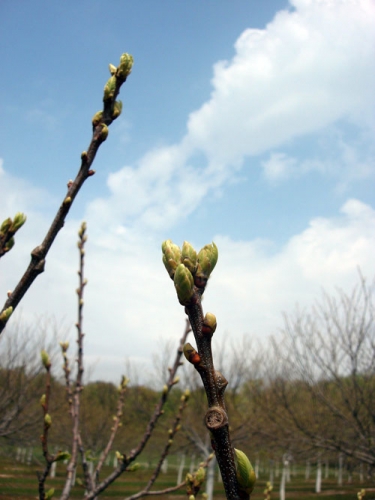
318, 387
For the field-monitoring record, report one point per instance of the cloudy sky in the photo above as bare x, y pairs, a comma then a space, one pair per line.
246, 123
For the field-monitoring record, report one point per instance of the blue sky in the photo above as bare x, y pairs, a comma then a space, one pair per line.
247, 123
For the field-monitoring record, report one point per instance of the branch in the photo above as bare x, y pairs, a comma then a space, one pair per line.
127, 460
101, 121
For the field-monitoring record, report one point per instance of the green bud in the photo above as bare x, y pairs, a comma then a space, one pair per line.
165, 389
96, 119
104, 132
191, 497
6, 225
187, 394
199, 476
245, 473
189, 257
109, 88
119, 455
171, 256
48, 420
9, 244
170, 442
184, 284
64, 346
125, 66
117, 108
133, 467
18, 221
207, 259
6, 314
209, 323
112, 69
43, 400
176, 380
45, 359
49, 494
62, 455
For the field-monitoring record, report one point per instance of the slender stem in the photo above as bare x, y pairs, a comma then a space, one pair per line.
39, 253
216, 416
123, 464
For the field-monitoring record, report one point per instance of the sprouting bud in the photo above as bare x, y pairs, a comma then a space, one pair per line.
49, 494
187, 394
96, 119
170, 442
43, 400
191, 497
63, 455
83, 158
191, 354
125, 66
170, 432
244, 470
189, 256
204, 496
207, 259
9, 244
117, 108
171, 256
176, 380
67, 201
114, 418
109, 88
6, 314
47, 420
4, 228
165, 389
112, 69
178, 427
133, 467
184, 284
119, 456
104, 132
209, 324
45, 359
64, 346
18, 221
199, 476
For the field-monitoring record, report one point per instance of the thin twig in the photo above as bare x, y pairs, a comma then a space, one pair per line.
127, 460
40, 252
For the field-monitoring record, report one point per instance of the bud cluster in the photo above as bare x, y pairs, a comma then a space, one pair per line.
187, 268
8, 229
194, 482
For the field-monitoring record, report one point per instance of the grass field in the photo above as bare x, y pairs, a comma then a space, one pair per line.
18, 482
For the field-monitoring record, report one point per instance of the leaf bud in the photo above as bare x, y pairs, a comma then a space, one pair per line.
207, 259
199, 476
6, 225
176, 380
9, 244
45, 359
119, 456
43, 400
189, 257
184, 284
117, 108
125, 66
209, 323
191, 354
165, 390
18, 221
112, 69
47, 420
170, 442
67, 201
49, 494
104, 132
6, 314
96, 119
109, 88
133, 467
63, 455
171, 256
244, 470
64, 346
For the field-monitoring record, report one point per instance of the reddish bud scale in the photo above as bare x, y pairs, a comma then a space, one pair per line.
200, 282
206, 330
194, 358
